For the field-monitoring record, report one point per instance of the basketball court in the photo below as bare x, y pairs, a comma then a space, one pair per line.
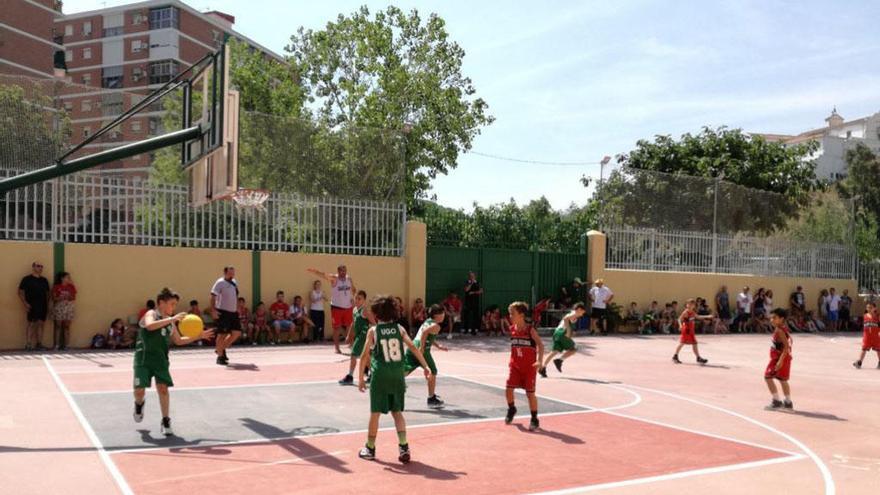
620, 419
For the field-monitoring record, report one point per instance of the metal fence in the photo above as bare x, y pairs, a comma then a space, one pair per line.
94, 209
671, 250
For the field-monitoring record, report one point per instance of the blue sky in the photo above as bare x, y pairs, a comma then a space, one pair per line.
574, 81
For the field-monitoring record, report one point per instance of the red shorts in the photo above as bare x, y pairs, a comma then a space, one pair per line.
688, 337
522, 375
341, 317
783, 372
871, 343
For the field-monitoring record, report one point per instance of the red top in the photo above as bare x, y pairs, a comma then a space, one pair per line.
243, 313
522, 347
260, 317
279, 310
455, 304
778, 344
688, 321
871, 326
64, 292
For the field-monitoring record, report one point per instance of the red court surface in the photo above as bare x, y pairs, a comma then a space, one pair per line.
641, 425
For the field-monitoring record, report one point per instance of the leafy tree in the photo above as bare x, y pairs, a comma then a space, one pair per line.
394, 71
34, 133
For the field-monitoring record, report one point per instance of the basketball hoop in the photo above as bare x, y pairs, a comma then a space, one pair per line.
250, 199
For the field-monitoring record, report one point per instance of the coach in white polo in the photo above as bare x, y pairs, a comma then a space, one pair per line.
600, 297
224, 310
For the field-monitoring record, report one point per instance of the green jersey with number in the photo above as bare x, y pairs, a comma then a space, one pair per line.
152, 346
388, 351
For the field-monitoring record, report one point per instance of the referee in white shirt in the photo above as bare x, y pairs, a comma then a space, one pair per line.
224, 310
600, 296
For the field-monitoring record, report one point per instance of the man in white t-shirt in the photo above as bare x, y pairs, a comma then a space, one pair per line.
832, 300
224, 311
341, 301
743, 309
600, 297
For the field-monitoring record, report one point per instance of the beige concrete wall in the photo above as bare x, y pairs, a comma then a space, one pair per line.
17, 258
115, 281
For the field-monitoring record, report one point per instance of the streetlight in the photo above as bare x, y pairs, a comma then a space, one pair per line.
602, 164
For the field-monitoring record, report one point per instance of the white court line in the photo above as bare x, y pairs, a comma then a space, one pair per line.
127, 368
96, 442
245, 468
673, 476
830, 488
583, 410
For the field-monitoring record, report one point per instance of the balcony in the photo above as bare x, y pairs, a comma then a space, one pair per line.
113, 31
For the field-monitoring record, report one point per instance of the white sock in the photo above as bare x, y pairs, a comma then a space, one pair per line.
775, 396
788, 398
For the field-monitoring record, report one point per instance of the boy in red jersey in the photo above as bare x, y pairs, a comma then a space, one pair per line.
871, 337
687, 323
779, 367
526, 355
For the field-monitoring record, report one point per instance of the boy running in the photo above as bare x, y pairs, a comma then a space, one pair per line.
157, 328
562, 342
425, 340
871, 336
358, 333
779, 367
388, 386
526, 355
688, 322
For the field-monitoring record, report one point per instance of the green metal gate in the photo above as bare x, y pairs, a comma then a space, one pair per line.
506, 275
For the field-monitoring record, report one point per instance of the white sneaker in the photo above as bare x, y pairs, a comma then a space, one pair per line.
138, 414
165, 429
449, 337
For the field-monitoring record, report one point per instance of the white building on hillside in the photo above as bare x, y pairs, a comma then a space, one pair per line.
834, 140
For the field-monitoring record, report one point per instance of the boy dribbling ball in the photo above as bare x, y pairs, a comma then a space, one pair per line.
688, 323
526, 354
426, 340
871, 334
357, 335
388, 385
562, 341
779, 367
157, 328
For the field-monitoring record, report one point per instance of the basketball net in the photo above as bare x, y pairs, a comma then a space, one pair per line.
250, 199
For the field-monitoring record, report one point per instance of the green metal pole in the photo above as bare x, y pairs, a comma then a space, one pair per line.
87, 162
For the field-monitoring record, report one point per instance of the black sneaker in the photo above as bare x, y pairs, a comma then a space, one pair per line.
368, 378
403, 455
348, 380
775, 404
534, 424
858, 365
511, 412
435, 402
787, 405
702, 360
675, 359
139, 412
558, 363
165, 429
367, 453
542, 371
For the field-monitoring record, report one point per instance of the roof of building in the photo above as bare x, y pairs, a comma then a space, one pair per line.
810, 135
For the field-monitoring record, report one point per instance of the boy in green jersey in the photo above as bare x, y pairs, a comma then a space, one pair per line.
158, 328
562, 342
388, 385
425, 341
357, 334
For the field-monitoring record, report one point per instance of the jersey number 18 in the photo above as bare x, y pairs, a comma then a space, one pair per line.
391, 350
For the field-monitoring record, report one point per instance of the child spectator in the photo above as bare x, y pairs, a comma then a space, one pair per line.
244, 316
401, 315
261, 323
633, 315
63, 297
452, 305
316, 311
300, 319
666, 317
418, 313
280, 313
116, 334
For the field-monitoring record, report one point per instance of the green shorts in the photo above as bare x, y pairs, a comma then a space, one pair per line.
357, 348
412, 362
387, 393
561, 343
144, 374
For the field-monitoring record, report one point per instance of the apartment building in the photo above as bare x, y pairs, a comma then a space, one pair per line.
116, 56
29, 45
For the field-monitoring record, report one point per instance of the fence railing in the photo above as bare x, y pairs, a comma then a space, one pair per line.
670, 250
94, 209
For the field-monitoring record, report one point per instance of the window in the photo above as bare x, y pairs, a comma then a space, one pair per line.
87, 79
87, 131
113, 31
164, 17
87, 28
137, 74
112, 77
86, 105
68, 106
112, 104
162, 71
137, 46
87, 53
155, 126
136, 158
136, 126
68, 30
138, 18
217, 36
68, 56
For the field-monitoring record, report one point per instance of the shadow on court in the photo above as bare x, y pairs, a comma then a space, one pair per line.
297, 447
416, 468
562, 437
447, 413
242, 367
816, 415
589, 380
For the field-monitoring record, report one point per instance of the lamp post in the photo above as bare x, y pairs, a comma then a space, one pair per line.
605, 160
